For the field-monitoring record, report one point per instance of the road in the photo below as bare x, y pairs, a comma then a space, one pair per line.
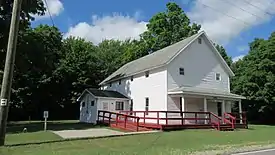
260, 152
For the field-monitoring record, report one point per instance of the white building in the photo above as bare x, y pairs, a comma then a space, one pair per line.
189, 75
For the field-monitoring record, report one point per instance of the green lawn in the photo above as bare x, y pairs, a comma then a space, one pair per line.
35, 133
166, 143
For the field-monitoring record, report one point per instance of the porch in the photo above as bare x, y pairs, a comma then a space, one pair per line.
128, 120
190, 99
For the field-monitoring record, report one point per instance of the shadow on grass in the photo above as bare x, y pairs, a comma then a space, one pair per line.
14, 128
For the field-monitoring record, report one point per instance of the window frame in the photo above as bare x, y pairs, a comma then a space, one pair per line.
92, 103
147, 105
199, 40
181, 69
119, 105
220, 77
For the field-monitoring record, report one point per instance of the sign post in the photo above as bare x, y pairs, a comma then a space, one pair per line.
46, 115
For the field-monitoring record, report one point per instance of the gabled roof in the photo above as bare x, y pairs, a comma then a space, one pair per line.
103, 94
158, 59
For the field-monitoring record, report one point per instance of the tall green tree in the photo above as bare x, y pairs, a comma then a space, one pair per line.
169, 27
255, 79
223, 53
36, 60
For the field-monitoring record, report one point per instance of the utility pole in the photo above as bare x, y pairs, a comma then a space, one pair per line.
8, 71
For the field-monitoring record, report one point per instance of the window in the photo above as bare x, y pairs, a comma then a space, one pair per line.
146, 73
119, 82
111, 84
131, 107
146, 105
132, 78
83, 104
92, 103
119, 105
199, 40
181, 70
105, 106
218, 76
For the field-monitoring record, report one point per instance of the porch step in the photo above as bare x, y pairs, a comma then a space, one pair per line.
226, 127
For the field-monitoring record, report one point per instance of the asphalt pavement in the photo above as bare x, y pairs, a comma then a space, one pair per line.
260, 152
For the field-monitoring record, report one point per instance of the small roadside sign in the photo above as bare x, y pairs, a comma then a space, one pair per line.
4, 102
46, 114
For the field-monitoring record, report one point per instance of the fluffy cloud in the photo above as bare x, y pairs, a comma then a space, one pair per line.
55, 7
237, 58
221, 28
108, 27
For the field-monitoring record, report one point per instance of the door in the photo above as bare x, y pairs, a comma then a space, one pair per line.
219, 108
83, 109
91, 110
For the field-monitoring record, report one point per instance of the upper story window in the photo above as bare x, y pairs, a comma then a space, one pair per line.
119, 82
199, 40
147, 74
181, 71
132, 78
218, 76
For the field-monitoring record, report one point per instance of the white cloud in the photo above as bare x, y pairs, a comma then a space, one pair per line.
237, 58
117, 27
222, 28
55, 7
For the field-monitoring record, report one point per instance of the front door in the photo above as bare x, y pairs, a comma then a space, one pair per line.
219, 108
91, 109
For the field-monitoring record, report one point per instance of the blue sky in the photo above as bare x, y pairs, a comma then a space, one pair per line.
232, 25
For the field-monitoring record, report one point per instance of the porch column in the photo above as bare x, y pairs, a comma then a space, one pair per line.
205, 109
240, 111
182, 106
223, 109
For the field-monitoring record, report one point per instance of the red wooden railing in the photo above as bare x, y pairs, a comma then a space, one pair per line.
166, 116
240, 118
118, 119
158, 119
215, 121
231, 119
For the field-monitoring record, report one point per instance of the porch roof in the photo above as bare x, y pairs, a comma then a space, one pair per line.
204, 92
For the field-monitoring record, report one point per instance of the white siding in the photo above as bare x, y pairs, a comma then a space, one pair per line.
154, 87
88, 113
200, 65
112, 104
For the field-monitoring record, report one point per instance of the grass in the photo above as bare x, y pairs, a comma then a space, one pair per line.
35, 133
35, 126
166, 143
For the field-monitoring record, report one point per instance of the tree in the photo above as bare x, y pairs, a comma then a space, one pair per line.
169, 27
28, 10
255, 79
37, 57
223, 53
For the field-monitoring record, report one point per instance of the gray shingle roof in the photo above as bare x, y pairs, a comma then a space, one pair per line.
156, 59
106, 93
207, 92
